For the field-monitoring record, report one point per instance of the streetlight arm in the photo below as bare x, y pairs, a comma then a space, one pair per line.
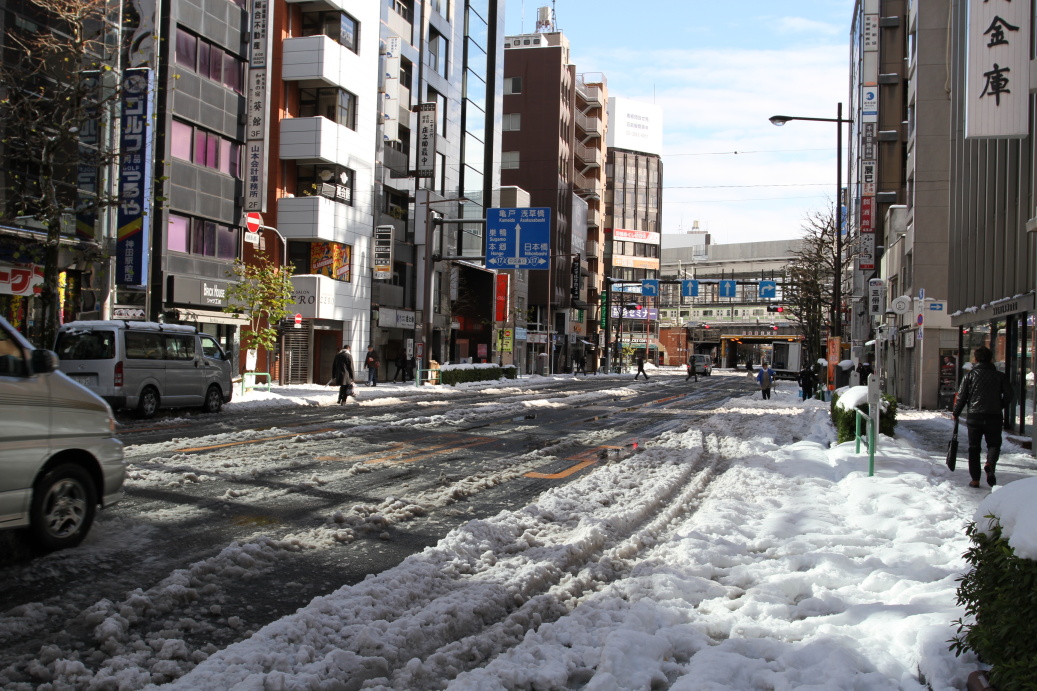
779, 120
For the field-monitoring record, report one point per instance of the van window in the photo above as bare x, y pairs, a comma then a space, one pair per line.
180, 347
211, 348
144, 345
86, 345
12, 358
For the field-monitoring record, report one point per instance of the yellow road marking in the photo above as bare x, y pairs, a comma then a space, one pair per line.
585, 458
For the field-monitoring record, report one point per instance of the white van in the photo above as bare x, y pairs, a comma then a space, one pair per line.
59, 457
144, 366
703, 364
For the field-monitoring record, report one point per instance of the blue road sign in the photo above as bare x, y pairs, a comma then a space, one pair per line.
690, 288
728, 288
768, 289
518, 238
650, 287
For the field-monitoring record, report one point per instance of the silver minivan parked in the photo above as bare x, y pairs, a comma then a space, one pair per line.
144, 366
59, 457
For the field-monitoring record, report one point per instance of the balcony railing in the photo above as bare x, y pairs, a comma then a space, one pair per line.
589, 123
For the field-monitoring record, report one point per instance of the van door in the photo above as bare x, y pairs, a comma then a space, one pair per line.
216, 363
25, 419
185, 376
145, 364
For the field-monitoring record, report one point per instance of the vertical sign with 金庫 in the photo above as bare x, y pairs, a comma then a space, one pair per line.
997, 76
135, 168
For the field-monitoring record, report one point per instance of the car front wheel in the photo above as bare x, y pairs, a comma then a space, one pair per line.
213, 400
63, 505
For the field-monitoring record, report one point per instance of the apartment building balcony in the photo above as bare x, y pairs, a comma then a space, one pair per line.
593, 248
587, 187
400, 18
590, 124
589, 156
317, 218
593, 217
590, 94
320, 139
317, 60
396, 161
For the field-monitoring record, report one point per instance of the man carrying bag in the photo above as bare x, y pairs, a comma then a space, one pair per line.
342, 374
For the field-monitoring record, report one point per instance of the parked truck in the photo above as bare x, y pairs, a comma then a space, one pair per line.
787, 359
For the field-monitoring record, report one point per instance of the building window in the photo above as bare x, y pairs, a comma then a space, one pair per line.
512, 85
209, 60
439, 99
436, 57
509, 159
512, 122
337, 105
331, 181
205, 148
338, 26
201, 237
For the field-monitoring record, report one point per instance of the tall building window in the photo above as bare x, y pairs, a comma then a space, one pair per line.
338, 26
209, 60
513, 85
333, 182
337, 105
204, 148
436, 57
201, 237
509, 159
512, 122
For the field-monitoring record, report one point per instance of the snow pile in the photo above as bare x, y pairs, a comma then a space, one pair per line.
1012, 506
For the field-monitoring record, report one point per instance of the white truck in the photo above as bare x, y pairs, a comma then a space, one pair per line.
787, 359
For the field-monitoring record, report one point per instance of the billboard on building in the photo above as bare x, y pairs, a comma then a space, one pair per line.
258, 102
136, 153
635, 126
997, 81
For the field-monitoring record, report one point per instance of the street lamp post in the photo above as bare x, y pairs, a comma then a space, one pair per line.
837, 297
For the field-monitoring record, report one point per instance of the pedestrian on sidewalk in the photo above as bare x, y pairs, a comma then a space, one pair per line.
807, 382
986, 393
401, 367
342, 373
581, 365
692, 372
641, 365
765, 378
371, 362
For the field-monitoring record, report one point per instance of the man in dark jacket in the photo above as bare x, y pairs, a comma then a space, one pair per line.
987, 394
342, 373
371, 362
807, 382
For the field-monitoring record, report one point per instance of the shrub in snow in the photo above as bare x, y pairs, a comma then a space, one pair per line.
1000, 622
459, 374
846, 401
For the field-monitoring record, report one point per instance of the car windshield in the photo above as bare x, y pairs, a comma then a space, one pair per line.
86, 345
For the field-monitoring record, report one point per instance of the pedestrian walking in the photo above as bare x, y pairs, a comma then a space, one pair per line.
581, 365
342, 374
807, 382
371, 362
986, 393
692, 371
401, 367
641, 365
765, 378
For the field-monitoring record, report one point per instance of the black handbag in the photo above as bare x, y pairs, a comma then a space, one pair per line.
952, 448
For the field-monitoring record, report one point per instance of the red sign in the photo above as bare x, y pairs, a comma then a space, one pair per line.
867, 214
253, 221
501, 298
298, 320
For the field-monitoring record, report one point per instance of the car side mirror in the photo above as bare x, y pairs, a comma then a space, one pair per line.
44, 361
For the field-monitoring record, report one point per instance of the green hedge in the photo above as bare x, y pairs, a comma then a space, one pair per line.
845, 421
465, 374
999, 594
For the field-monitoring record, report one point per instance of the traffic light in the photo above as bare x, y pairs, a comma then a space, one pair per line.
632, 306
775, 308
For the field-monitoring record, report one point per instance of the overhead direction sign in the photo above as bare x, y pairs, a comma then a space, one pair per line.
728, 288
768, 289
690, 288
518, 238
650, 287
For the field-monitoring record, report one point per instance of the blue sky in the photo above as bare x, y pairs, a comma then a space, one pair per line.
720, 70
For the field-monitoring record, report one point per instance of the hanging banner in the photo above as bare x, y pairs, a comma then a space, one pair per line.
501, 297
258, 103
136, 146
426, 141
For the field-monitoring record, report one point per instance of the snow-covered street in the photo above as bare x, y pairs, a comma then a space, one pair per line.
741, 549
